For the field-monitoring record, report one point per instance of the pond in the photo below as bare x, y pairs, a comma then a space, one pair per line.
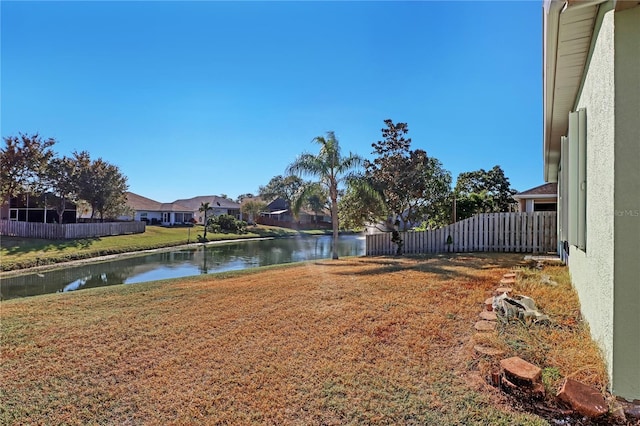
179, 263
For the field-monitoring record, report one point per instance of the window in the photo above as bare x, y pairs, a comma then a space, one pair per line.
544, 207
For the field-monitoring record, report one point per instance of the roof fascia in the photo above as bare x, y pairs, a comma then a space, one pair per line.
551, 22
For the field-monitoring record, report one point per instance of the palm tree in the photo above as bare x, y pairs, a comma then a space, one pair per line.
331, 168
204, 208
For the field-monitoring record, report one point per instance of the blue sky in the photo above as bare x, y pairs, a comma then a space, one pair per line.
198, 98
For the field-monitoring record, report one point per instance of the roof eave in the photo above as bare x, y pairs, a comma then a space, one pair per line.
551, 18
563, 25
534, 196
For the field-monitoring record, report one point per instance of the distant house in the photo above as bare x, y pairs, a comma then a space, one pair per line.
543, 198
218, 205
278, 213
34, 208
591, 148
156, 213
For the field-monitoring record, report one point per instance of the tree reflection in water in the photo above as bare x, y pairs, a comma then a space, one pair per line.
179, 263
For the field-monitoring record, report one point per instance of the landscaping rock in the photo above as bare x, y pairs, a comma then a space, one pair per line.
489, 304
632, 411
488, 316
484, 325
586, 400
509, 275
502, 290
535, 391
518, 370
488, 350
507, 281
523, 308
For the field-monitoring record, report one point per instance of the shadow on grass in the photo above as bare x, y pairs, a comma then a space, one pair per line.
17, 245
449, 264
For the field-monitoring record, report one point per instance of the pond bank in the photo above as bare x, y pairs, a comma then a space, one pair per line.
116, 256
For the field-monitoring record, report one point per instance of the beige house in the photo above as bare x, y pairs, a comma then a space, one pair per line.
592, 150
542, 198
156, 213
218, 206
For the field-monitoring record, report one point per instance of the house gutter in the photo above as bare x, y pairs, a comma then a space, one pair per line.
536, 196
551, 10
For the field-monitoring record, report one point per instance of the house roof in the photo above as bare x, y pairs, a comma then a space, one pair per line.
213, 200
568, 30
139, 203
547, 190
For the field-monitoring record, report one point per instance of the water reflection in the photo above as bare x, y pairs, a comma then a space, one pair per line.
179, 263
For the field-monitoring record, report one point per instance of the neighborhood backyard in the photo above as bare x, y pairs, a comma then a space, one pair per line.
360, 340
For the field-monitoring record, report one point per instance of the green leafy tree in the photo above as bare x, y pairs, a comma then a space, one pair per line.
360, 205
244, 196
483, 191
285, 187
312, 196
252, 208
62, 181
101, 184
23, 164
414, 186
330, 167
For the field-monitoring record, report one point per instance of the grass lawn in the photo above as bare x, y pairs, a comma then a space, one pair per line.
353, 341
18, 253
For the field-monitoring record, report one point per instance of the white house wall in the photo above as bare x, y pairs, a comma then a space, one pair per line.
626, 315
592, 270
607, 270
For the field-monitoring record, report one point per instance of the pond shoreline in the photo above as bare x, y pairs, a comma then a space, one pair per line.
124, 255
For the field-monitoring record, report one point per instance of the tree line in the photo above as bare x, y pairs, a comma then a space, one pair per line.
29, 165
399, 189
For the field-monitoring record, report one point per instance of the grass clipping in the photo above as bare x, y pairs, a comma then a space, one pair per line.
353, 341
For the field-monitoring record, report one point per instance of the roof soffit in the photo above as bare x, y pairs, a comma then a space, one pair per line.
567, 43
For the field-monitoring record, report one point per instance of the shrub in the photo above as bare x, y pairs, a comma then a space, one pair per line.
226, 223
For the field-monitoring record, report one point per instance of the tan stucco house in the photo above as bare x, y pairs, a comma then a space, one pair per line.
592, 150
218, 206
542, 198
153, 212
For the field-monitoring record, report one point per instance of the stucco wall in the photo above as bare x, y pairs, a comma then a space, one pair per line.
626, 337
592, 271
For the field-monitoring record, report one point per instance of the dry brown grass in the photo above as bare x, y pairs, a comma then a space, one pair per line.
354, 341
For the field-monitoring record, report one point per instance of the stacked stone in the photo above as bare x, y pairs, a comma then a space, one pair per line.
524, 379
488, 318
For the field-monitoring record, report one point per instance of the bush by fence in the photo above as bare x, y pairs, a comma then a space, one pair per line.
68, 231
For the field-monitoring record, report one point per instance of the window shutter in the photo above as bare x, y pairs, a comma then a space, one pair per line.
573, 178
577, 179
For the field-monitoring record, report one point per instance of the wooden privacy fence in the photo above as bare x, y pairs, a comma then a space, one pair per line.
68, 231
533, 232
